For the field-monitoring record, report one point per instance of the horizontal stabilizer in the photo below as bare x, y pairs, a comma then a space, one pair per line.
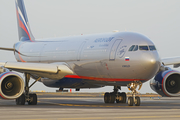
9, 49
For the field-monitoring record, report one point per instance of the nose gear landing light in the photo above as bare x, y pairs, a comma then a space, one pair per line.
134, 99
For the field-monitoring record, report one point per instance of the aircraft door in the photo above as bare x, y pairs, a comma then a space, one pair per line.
80, 51
114, 49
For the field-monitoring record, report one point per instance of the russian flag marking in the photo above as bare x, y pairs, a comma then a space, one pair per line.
126, 58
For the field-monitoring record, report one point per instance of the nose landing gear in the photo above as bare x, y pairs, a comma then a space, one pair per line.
134, 99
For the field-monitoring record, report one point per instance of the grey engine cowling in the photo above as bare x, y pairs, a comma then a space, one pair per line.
11, 85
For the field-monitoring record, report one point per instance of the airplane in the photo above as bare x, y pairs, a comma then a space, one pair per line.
86, 61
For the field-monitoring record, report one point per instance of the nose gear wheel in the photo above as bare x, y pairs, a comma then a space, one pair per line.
134, 99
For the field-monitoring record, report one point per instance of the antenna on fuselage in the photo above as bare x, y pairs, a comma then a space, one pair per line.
115, 30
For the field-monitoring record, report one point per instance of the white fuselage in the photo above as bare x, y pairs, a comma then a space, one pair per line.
102, 57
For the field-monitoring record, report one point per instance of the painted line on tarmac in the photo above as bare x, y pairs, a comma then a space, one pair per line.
55, 98
125, 117
78, 105
103, 106
133, 117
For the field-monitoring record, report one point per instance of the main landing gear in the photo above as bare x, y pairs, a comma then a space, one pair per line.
30, 98
121, 97
115, 96
134, 99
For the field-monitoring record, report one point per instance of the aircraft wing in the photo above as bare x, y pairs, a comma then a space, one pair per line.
172, 61
52, 71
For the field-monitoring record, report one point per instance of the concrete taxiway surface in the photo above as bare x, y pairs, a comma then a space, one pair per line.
87, 106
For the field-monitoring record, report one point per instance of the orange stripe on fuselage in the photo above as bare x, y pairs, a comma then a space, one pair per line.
100, 79
20, 55
72, 76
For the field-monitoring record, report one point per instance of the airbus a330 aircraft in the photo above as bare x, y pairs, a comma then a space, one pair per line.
86, 61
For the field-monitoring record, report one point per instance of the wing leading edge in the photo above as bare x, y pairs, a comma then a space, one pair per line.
52, 71
175, 61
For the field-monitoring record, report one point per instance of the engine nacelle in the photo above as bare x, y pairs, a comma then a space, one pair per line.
167, 83
11, 85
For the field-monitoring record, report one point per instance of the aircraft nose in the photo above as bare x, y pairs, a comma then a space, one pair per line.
154, 60
150, 63
155, 64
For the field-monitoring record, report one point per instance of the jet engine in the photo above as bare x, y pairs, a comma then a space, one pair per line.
11, 85
167, 83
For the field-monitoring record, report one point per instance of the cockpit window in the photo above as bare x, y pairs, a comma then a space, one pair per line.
143, 48
152, 47
135, 48
131, 48
146, 48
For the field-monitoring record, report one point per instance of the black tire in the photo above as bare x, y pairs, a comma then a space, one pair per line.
137, 101
33, 99
106, 97
124, 97
20, 100
130, 101
112, 98
118, 101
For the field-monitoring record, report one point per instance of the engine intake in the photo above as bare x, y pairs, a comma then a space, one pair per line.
167, 83
11, 85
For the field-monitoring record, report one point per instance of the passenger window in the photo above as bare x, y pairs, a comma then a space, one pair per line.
131, 48
143, 48
135, 48
152, 47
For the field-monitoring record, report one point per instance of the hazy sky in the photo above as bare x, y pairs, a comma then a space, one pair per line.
157, 19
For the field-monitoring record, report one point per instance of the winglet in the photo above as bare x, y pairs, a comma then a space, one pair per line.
23, 24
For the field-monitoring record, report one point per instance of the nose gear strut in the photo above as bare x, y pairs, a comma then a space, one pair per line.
134, 99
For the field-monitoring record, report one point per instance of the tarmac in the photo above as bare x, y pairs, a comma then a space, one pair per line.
90, 106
